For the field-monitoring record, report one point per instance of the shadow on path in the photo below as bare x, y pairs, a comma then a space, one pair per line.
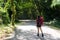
31, 35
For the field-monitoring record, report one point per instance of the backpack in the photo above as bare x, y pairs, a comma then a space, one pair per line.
38, 21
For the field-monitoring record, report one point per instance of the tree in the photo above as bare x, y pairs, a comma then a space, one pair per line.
13, 13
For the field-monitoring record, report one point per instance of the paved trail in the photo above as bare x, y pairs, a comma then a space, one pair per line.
27, 31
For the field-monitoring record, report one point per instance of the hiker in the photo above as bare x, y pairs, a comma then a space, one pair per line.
39, 22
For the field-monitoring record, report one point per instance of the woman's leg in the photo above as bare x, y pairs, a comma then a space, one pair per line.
38, 31
41, 31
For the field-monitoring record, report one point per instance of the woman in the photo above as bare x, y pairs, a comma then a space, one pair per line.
39, 22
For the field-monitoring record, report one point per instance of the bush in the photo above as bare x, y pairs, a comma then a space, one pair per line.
5, 18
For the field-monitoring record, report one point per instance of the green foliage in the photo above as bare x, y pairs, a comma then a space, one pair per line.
5, 18
23, 9
3, 11
29, 9
56, 11
55, 2
27, 5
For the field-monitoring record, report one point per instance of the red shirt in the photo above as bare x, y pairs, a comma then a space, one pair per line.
41, 20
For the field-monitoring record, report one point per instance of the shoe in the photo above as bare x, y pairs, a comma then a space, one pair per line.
42, 35
37, 34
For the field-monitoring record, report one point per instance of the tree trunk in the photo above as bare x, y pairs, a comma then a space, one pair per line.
13, 13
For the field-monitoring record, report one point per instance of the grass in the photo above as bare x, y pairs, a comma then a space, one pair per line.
55, 25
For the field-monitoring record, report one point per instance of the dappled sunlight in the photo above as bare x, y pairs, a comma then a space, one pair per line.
29, 32
30, 35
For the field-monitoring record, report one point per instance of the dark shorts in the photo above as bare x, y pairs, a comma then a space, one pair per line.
38, 25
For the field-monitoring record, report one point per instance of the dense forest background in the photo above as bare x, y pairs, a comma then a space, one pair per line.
30, 9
